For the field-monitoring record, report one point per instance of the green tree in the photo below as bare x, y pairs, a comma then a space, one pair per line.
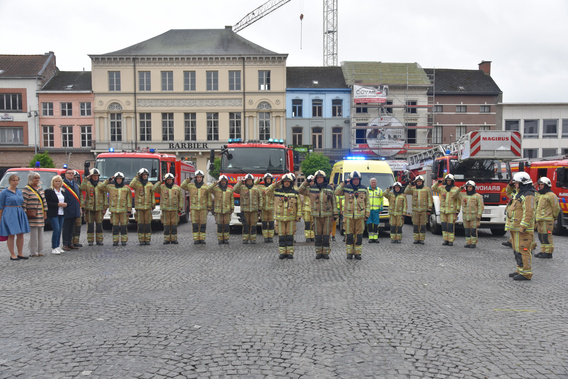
314, 162
44, 159
216, 168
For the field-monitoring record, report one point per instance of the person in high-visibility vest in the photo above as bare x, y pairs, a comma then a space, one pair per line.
376, 206
547, 210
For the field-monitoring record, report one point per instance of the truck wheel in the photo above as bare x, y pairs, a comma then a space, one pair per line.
435, 228
558, 227
498, 232
107, 225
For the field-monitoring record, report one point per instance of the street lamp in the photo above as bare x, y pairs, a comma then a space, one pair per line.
34, 114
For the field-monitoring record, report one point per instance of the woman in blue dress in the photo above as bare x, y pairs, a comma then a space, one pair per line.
13, 219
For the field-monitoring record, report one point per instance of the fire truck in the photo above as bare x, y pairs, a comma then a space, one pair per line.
555, 169
481, 156
157, 165
239, 158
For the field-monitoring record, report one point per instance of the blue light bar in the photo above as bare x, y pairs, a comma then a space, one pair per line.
355, 158
152, 150
230, 140
38, 164
448, 152
111, 149
65, 166
281, 141
270, 140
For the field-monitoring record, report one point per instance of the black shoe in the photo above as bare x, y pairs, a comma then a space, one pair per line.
174, 242
333, 238
226, 242
166, 242
289, 256
520, 277
319, 256
115, 244
142, 243
203, 242
358, 257
245, 242
147, 243
416, 242
450, 244
508, 244
22, 257
325, 256
197, 242
99, 243
446, 243
266, 240
421, 242
221, 242
282, 256
544, 255
349, 256
91, 243
513, 274
123, 243
14, 259
393, 241
78, 244
472, 246
467, 246
270, 240
253, 241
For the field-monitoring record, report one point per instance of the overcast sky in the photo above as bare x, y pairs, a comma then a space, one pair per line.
525, 40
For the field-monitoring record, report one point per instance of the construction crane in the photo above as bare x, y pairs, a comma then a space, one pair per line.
329, 25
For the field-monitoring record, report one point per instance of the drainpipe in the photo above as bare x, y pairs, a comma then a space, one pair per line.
135, 109
243, 119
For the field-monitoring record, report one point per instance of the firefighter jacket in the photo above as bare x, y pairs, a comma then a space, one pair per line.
356, 201
521, 211
339, 201
199, 197
397, 202
471, 205
375, 198
267, 199
449, 199
511, 191
223, 199
547, 207
421, 198
322, 199
95, 196
120, 199
171, 199
143, 194
287, 204
250, 197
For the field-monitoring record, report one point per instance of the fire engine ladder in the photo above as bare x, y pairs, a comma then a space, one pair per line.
428, 156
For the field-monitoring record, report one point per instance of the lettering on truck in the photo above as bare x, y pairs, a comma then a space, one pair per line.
495, 139
488, 188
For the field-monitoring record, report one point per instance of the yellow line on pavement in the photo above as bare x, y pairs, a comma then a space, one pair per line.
514, 310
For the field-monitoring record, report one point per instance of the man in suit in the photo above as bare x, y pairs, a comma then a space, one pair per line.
72, 211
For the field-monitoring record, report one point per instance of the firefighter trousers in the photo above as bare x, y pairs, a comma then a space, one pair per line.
249, 225
544, 229
522, 243
322, 230
77, 230
308, 224
267, 220
333, 227
199, 224
94, 224
354, 235
144, 220
119, 222
170, 220
222, 220
286, 237
448, 226
470, 229
419, 222
396, 223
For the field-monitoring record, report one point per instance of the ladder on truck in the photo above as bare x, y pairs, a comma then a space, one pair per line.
426, 158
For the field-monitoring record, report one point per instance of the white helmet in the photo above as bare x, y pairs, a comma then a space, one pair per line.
288, 177
419, 177
94, 171
522, 177
223, 177
169, 176
143, 171
249, 176
320, 173
199, 172
397, 184
119, 174
449, 176
544, 180
470, 183
267, 175
355, 175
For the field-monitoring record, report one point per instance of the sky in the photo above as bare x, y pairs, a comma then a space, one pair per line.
524, 40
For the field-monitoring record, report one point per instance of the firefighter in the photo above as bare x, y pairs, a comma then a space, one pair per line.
338, 203
96, 204
200, 204
307, 213
511, 191
547, 210
287, 211
521, 215
267, 210
120, 205
223, 207
397, 210
250, 205
323, 211
449, 207
421, 207
376, 206
171, 203
355, 211
472, 209
78, 220
144, 202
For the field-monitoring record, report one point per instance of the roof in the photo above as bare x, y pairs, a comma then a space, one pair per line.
184, 42
315, 77
462, 82
384, 73
69, 81
21, 66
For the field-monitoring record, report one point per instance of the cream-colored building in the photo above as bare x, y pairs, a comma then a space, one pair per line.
186, 92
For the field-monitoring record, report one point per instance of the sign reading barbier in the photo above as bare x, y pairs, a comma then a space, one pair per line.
188, 145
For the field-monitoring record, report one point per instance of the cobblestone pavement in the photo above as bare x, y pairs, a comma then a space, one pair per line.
166, 311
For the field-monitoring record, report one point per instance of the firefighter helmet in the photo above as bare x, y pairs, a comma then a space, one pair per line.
143, 171
319, 173
119, 174
419, 177
94, 171
288, 177
522, 177
310, 178
267, 175
199, 172
223, 177
397, 184
169, 176
449, 176
470, 183
355, 175
249, 176
544, 180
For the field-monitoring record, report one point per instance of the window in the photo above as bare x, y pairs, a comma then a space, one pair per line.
411, 106
317, 107
484, 127
317, 138
410, 134
437, 135
336, 108
212, 126
48, 135
360, 134
189, 80
114, 81
144, 81
212, 80
263, 80
530, 153
438, 108
549, 129
264, 126
461, 108
460, 131
337, 138
564, 151
388, 110
234, 80
167, 81
531, 129
66, 109
116, 127
85, 109
512, 125
485, 109
565, 128
549, 153
86, 136
145, 127
297, 137
234, 125
361, 109
12, 136
10, 102
67, 135
190, 126
47, 109
167, 126
297, 105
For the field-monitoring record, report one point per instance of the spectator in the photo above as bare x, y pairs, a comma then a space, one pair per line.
35, 208
13, 220
72, 211
56, 204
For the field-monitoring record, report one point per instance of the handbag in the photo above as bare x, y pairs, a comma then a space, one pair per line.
3, 238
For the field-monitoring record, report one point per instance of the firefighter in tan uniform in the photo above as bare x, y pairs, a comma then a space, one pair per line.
120, 206
200, 204
397, 210
144, 202
355, 211
449, 207
421, 207
323, 211
251, 203
267, 209
547, 210
472, 210
223, 207
307, 212
96, 204
511, 191
521, 215
171, 203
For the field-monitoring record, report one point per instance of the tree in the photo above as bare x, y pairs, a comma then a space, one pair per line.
216, 168
44, 159
314, 162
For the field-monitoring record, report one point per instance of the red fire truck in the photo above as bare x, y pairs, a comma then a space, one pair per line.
481, 156
157, 165
239, 158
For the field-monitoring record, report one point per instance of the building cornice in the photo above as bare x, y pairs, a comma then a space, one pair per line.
180, 59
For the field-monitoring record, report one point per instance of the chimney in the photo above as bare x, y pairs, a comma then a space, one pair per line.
485, 66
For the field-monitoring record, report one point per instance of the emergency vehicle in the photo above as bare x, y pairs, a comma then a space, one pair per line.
239, 158
157, 165
481, 156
